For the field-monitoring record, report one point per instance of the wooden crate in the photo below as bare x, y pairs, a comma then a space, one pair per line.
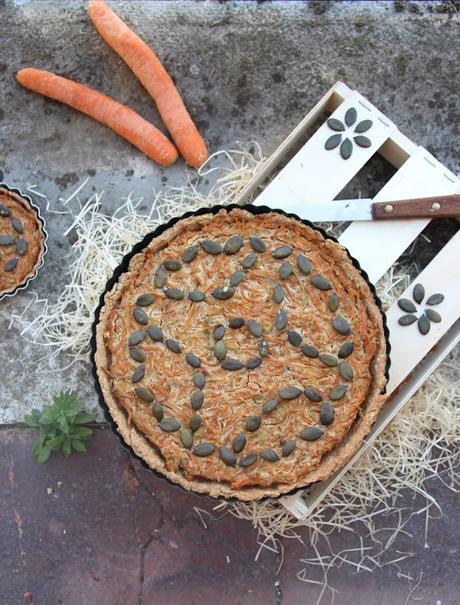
315, 174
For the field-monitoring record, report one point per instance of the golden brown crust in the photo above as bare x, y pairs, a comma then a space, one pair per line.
231, 397
27, 262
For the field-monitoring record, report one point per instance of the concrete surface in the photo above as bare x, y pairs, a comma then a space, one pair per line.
247, 70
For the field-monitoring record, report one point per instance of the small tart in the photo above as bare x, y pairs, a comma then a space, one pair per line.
22, 241
242, 355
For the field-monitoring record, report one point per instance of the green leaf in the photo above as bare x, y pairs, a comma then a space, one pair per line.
66, 448
78, 445
43, 454
33, 419
55, 442
84, 418
82, 432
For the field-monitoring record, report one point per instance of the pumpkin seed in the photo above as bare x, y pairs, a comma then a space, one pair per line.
285, 270
257, 244
203, 450
196, 399
418, 293
363, 126
341, 325
186, 437
294, 338
17, 225
223, 292
407, 320
304, 264
435, 299
140, 316
406, 305
199, 380
193, 360
312, 394
253, 363
174, 293
332, 141
232, 364
282, 252
269, 455
233, 245
136, 337
269, 406
196, 296
137, 354
288, 447
278, 294
236, 278
346, 371
255, 328
195, 423
311, 434
21, 246
219, 332
157, 411
264, 349
145, 299
328, 359
211, 247
4, 211
138, 373
236, 322
247, 460
169, 425
350, 116
144, 394
335, 124
173, 345
220, 350
253, 423
289, 392
433, 315
346, 349
346, 149
6, 240
155, 333
327, 414
248, 261
159, 279
338, 392
172, 264
190, 253
310, 351
321, 282
239, 442
281, 319
423, 324
227, 456
333, 302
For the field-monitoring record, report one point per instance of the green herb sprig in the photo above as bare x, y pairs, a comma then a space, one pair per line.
61, 426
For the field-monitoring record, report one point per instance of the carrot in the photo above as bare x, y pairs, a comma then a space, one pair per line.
123, 120
147, 67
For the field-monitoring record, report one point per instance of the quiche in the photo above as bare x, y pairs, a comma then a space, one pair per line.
22, 241
242, 355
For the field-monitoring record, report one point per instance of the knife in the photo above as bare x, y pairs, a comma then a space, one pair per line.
364, 209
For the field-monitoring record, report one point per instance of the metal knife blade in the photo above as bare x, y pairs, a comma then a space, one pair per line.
337, 210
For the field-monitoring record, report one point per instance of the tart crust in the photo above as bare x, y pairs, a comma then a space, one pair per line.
27, 263
230, 398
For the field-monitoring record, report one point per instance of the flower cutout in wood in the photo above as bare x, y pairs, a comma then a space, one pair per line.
347, 127
411, 309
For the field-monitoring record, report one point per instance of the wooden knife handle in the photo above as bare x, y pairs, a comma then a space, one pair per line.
447, 206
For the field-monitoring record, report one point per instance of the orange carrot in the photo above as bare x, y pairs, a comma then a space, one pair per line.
155, 79
123, 120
